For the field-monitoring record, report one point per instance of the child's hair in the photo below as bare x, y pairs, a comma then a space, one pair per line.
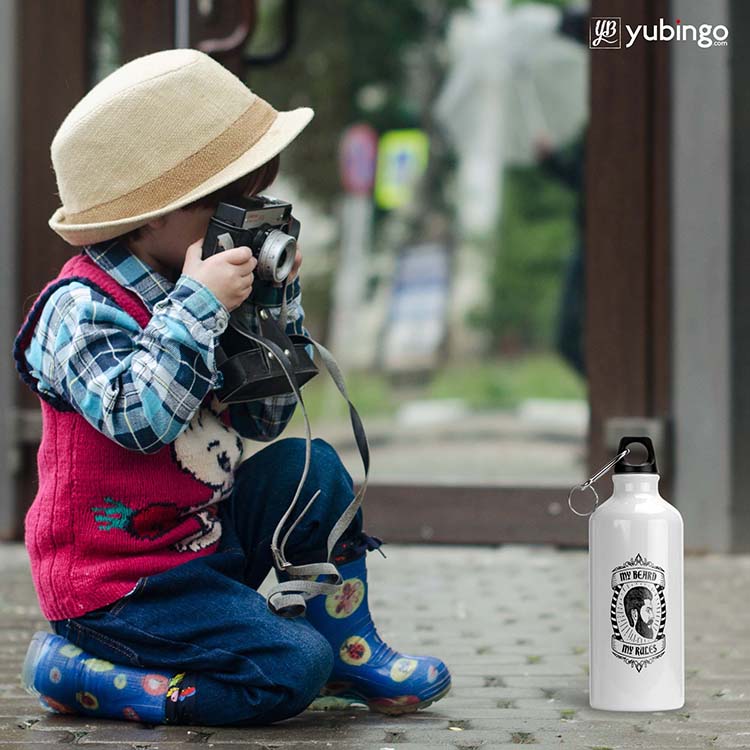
250, 184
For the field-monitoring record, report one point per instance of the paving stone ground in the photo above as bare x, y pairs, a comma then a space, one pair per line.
511, 623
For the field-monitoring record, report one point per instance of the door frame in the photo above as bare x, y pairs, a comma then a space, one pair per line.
628, 230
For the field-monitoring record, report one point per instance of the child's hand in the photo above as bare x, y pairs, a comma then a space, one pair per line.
228, 274
297, 263
295, 269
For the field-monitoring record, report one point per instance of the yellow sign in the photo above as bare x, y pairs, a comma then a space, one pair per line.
402, 160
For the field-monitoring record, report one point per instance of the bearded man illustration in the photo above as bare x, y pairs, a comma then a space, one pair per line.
639, 610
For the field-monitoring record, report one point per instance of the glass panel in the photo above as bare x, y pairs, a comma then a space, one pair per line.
104, 40
452, 293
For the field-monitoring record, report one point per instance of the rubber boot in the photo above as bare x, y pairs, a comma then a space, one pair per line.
68, 680
365, 667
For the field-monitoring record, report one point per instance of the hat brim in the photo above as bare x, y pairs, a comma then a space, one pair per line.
285, 128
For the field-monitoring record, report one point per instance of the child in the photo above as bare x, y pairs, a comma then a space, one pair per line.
149, 535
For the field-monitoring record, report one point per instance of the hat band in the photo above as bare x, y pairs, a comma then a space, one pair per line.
241, 135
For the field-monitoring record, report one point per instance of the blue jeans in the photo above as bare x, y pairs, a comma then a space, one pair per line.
205, 617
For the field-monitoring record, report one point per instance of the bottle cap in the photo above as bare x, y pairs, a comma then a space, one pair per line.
626, 464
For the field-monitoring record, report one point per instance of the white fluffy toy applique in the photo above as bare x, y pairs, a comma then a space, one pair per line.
210, 451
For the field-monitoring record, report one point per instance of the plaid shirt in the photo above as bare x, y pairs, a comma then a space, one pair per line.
141, 387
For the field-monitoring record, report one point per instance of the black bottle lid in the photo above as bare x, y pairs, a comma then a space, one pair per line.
647, 467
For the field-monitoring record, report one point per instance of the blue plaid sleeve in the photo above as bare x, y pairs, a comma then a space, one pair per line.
266, 419
139, 387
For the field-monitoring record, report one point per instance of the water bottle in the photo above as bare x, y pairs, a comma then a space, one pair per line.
637, 658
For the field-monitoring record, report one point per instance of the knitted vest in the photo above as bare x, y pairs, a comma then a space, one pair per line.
105, 516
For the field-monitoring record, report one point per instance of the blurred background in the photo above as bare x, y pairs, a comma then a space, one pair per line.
518, 247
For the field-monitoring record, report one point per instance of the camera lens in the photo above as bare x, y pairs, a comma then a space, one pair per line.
276, 256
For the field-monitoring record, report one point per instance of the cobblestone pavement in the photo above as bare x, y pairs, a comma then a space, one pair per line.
510, 622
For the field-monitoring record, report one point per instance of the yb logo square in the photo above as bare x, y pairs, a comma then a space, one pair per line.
604, 33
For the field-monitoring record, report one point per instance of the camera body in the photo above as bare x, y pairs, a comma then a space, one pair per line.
258, 364
263, 224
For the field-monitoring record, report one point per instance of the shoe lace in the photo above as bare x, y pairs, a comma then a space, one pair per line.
350, 549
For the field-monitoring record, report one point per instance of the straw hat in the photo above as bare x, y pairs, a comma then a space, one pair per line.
158, 133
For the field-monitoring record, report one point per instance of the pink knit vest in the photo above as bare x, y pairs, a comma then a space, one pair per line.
105, 516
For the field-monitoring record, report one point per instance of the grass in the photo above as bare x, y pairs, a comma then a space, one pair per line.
488, 385
369, 392
505, 383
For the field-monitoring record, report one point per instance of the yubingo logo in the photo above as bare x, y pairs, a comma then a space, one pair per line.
606, 33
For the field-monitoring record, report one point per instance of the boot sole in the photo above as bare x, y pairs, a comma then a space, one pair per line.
346, 701
408, 708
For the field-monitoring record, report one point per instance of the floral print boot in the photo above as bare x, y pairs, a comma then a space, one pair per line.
68, 680
365, 667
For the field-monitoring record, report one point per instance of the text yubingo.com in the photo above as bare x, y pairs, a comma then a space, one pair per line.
704, 35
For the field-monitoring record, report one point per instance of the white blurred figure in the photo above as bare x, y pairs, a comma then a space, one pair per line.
511, 77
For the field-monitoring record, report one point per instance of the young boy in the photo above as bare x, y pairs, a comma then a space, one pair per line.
149, 535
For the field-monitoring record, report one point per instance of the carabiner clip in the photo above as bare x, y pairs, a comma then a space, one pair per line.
589, 484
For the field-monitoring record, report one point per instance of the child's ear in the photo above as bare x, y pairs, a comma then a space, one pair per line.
157, 223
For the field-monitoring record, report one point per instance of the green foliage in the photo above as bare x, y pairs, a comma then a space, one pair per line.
499, 384
505, 383
353, 61
527, 262
104, 40
370, 392
349, 63
341, 48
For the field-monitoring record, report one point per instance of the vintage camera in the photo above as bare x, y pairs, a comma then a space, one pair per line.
260, 363
263, 224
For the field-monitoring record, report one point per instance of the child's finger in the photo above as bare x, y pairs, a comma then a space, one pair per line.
237, 255
248, 268
295, 268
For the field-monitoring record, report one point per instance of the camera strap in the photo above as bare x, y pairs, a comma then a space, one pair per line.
288, 598
293, 592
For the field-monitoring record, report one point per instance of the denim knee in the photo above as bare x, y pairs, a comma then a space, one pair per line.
303, 675
312, 667
303, 667
326, 472
327, 464
323, 455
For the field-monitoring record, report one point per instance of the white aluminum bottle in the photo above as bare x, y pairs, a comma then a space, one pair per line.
636, 657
